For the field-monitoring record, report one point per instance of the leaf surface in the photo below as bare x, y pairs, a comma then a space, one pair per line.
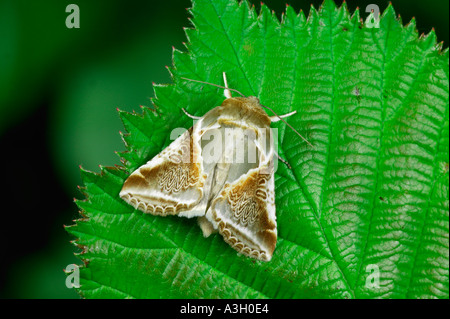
362, 214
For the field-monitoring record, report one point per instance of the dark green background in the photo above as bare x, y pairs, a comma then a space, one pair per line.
59, 90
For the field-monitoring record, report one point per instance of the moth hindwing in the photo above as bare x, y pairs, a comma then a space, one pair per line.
220, 171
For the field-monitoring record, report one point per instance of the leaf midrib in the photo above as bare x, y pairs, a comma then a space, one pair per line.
307, 196
378, 152
239, 64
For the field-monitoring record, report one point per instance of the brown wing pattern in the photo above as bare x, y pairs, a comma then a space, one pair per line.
244, 213
171, 182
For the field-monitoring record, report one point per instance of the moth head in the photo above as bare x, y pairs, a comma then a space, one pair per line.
254, 99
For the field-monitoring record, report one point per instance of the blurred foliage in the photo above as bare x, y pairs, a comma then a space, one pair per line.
109, 62
55, 75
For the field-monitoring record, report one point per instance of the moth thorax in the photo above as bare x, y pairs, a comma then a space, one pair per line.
233, 145
247, 109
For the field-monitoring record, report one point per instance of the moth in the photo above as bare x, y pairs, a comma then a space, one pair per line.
229, 191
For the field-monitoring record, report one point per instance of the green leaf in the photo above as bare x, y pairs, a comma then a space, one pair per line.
370, 198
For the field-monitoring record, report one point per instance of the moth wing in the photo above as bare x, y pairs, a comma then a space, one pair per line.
170, 183
244, 213
244, 210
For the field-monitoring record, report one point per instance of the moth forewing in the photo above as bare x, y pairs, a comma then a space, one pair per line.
185, 148
170, 183
266, 143
212, 146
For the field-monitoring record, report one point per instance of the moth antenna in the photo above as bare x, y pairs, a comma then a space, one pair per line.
219, 86
288, 125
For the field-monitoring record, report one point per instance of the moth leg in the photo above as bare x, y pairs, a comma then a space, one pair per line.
227, 92
191, 116
277, 118
283, 160
206, 226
